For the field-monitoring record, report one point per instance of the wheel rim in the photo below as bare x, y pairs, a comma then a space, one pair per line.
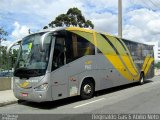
142, 80
87, 89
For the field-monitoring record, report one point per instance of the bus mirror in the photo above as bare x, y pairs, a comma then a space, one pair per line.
43, 39
13, 44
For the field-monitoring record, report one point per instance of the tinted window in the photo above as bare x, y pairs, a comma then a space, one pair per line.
134, 48
81, 46
77, 47
59, 56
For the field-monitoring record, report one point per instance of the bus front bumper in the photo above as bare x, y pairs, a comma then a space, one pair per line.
34, 96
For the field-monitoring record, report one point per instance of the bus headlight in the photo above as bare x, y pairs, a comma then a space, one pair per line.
42, 87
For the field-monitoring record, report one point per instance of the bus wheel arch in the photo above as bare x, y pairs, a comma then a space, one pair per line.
87, 88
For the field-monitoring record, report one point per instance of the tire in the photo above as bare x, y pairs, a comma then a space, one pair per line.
19, 101
141, 80
87, 90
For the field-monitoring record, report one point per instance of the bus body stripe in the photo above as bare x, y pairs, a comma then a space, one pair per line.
114, 58
145, 62
124, 57
110, 43
148, 65
128, 54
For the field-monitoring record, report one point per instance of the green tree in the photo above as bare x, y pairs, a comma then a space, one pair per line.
157, 65
73, 17
4, 58
3, 55
8, 63
45, 27
3, 35
12, 58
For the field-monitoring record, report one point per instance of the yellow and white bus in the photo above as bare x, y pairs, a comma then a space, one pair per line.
65, 62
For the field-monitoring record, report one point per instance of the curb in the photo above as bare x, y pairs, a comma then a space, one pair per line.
8, 103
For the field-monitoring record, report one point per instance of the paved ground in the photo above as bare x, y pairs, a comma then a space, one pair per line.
131, 98
7, 97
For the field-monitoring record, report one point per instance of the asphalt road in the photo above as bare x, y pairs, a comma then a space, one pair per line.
132, 99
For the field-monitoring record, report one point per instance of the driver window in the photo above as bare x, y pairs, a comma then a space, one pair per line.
59, 53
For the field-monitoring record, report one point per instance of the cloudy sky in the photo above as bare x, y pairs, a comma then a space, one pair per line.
141, 18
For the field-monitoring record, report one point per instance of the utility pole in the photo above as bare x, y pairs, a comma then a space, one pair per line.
0, 56
120, 18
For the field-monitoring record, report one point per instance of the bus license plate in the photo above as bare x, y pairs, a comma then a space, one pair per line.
24, 94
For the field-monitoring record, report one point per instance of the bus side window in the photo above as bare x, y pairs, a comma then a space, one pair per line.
59, 53
81, 47
77, 46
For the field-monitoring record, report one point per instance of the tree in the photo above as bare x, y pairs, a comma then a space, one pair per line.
4, 59
73, 17
45, 27
3, 55
3, 35
157, 65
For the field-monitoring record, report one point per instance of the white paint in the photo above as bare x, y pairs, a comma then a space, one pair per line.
32, 81
88, 103
88, 67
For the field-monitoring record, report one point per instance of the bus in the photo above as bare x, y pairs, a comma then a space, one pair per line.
63, 62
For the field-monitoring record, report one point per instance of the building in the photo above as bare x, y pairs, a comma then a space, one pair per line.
156, 51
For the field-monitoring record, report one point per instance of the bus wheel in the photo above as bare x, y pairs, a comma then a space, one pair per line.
141, 81
87, 89
20, 101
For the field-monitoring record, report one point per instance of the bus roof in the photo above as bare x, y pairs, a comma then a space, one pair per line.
85, 30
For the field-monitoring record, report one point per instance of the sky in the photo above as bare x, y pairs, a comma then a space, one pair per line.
141, 18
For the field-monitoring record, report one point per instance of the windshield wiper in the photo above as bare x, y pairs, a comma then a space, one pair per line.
26, 73
20, 72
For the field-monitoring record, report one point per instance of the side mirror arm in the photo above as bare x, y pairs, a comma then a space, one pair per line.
13, 44
43, 39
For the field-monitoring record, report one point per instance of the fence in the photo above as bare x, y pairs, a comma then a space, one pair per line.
5, 83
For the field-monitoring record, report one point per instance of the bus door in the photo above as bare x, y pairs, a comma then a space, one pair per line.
59, 77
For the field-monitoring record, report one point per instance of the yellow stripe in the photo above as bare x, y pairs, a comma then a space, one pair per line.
79, 29
116, 62
148, 65
110, 54
130, 57
107, 51
94, 38
126, 60
123, 55
145, 62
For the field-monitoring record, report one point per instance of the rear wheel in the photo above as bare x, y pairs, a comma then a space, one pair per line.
141, 81
87, 89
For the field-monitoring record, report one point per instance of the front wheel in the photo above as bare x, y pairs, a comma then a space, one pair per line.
19, 101
87, 89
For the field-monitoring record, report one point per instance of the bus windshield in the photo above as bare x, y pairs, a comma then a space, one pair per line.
32, 61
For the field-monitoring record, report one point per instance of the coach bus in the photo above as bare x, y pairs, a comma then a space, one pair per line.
64, 62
